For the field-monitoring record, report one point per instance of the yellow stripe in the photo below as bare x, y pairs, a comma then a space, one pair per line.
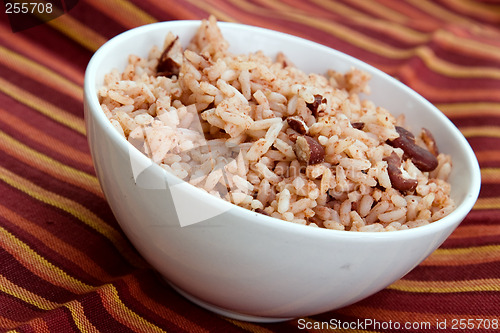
26, 296
485, 11
413, 286
467, 44
441, 13
220, 15
43, 106
394, 29
51, 166
375, 46
380, 10
470, 109
443, 67
490, 175
123, 12
481, 131
39, 265
75, 209
42, 303
488, 203
114, 305
40, 73
463, 251
79, 317
78, 32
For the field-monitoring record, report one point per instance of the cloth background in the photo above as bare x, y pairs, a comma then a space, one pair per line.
65, 265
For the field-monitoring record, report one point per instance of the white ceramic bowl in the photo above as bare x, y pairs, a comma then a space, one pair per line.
243, 264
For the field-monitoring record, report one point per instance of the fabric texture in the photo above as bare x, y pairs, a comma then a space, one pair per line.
65, 264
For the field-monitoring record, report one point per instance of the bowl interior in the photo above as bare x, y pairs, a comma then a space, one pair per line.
310, 57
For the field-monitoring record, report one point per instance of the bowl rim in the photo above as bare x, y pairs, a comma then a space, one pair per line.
93, 108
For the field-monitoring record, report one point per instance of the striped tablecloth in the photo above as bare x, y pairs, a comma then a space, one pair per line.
65, 265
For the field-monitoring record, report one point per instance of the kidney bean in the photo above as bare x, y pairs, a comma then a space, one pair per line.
398, 181
423, 159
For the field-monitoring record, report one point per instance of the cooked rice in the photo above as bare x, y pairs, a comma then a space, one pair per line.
220, 121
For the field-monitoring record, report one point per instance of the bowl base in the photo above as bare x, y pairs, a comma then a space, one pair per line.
224, 312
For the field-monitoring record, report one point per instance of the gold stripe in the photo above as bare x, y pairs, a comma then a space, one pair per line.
454, 286
376, 46
77, 31
40, 302
469, 109
220, 15
43, 106
114, 305
26, 296
487, 203
485, 11
439, 12
40, 73
49, 165
39, 136
448, 69
468, 45
123, 12
395, 29
79, 317
75, 209
41, 55
380, 10
62, 248
467, 250
39, 265
490, 175
481, 131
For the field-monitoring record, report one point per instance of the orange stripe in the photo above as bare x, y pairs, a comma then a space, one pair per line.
212, 9
121, 313
395, 30
50, 166
75, 209
78, 32
37, 103
40, 137
40, 55
470, 109
123, 12
436, 11
39, 73
411, 77
468, 46
39, 266
7, 323
39, 325
463, 256
57, 245
415, 18
458, 286
488, 156
158, 308
483, 12
180, 10
490, 175
475, 231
